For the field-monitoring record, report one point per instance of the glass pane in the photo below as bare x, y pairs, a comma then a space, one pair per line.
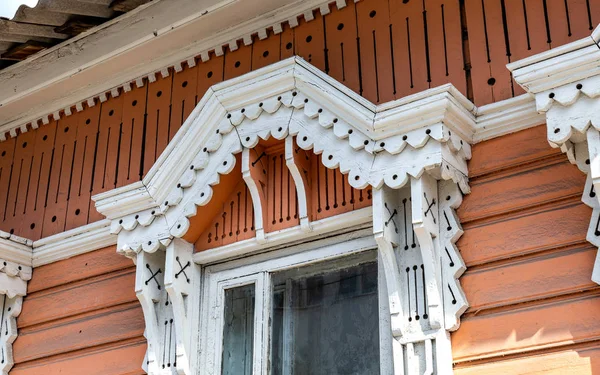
325, 322
238, 331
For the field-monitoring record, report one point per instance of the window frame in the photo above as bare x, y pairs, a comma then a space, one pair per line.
258, 270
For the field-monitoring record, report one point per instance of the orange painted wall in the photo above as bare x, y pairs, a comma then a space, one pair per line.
382, 49
534, 308
81, 316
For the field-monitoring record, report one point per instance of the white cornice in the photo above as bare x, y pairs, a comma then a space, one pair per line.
73, 242
558, 66
507, 116
15, 249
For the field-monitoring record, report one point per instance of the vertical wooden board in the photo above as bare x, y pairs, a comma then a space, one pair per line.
536, 26
407, 24
38, 185
478, 53
375, 54
579, 19
109, 135
7, 149
134, 111
55, 214
83, 167
309, 41
560, 29
183, 98
502, 80
158, 107
287, 42
594, 14
20, 179
342, 47
266, 51
445, 43
209, 73
517, 30
238, 62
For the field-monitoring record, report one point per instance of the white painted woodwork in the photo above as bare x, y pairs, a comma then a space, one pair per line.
413, 154
13, 287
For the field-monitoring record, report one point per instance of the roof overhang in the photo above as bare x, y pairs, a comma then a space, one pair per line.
149, 39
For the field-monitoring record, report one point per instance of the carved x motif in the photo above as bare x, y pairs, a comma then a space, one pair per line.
182, 270
153, 276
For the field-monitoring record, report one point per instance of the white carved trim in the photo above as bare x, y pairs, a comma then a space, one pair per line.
566, 86
412, 152
13, 287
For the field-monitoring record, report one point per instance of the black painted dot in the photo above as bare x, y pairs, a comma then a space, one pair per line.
134, 103
279, 98
305, 100
178, 186
579, 86
366, 142
330, 157
149, 243
340, 26
556, 131
288, 46
178, 226
491, 81
405, 1
551, 95
204, 149
120, 221
304, 139
78, 211
184, 84
280, 129
166, 203
159, 94
266, 53
294, 93
3, 153
247, 139
404, 137
209, 74
335, 120
260, 104
587, 161
153, 212
357, 178
237, 64
66, 129
111, 112
372, 14
32, 225
395, 177
87, 122
225, 163
12, 231
382, 144
428, 131
44, 138
24, 144
350, 131
309, 39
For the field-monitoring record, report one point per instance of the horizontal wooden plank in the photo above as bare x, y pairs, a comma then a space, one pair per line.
109, 325
546, 228
535, 277
76, 298
520, 189
578, 361
510, 150
556, 322
119, 359
80, 267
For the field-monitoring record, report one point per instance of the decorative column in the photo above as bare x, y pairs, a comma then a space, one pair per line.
15, 272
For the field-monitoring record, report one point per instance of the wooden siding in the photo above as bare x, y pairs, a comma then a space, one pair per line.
81, 316
533, 307
382, 49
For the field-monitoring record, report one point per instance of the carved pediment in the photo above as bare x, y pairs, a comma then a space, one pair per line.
290, 121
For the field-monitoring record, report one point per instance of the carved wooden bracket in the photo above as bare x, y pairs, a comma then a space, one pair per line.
566, 85
13, 287
412, 153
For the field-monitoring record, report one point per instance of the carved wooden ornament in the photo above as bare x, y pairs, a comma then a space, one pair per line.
412, 153
13, 287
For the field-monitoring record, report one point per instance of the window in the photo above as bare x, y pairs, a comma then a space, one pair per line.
314, 312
